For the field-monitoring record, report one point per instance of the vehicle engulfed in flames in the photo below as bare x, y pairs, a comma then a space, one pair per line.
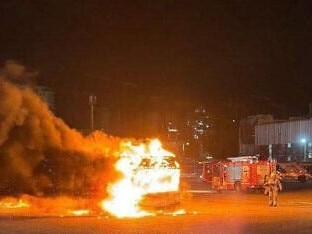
146, 183
162, 182
150, 180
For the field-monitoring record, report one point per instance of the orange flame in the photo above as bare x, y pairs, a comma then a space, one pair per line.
11, 203
146, 169
79, 212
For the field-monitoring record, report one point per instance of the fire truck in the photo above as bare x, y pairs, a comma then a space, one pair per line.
237, 173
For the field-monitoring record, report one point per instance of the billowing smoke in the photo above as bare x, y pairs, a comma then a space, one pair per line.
39, 154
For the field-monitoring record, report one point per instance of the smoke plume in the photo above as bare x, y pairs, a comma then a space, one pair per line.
39, 154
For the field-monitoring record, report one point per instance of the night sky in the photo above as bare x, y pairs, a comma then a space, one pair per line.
251, 56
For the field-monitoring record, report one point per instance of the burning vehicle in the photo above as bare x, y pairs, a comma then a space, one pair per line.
165, 178
150, 179
48, 168
147, 183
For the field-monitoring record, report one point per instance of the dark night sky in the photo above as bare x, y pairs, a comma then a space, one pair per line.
255, 52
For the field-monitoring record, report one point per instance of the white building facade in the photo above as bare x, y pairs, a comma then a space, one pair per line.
283, 140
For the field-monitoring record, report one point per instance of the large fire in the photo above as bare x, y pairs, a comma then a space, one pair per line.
146, 169
49, 168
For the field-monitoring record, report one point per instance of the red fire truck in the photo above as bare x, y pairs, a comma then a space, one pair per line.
237, 173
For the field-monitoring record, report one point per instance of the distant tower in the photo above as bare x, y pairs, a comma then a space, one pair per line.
92, 102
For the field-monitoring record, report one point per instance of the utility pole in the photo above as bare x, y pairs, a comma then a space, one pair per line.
92, 102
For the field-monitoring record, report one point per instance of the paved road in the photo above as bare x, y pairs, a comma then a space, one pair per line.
204, 212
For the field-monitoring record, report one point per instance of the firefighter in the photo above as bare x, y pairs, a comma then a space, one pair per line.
274, 185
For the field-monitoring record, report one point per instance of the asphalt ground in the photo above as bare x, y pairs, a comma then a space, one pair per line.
200, 211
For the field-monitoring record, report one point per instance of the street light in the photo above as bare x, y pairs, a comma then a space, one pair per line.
304, 142
92, 102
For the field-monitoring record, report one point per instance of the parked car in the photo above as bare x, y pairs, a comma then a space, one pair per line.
291, 171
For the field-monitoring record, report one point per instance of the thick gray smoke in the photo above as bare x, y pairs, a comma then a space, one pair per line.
39, 154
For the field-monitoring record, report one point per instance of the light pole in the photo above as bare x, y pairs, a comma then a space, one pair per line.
92, 102
304, 142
